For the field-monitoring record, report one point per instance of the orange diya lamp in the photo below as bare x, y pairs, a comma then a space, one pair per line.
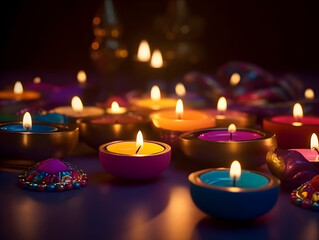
18, 94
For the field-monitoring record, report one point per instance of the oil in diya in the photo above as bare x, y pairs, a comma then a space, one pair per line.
18, 94
38, 140
135, 160
118, 123
217, 147
227, 193
292, 131
170, 124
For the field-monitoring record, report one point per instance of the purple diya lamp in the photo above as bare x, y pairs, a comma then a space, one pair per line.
291, 167
217, 147
52, 175
135, 160
307, 195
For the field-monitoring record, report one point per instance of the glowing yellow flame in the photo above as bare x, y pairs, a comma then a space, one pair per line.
116, 109
298, 112
143, 52
27, 121
222, 104
232, 128
157, 59
235, 170
180, 90
81, 76
76, 104
309, 93
314, 141
234, 79
179, 109
37, 80
18, 88
139, 139
155, 93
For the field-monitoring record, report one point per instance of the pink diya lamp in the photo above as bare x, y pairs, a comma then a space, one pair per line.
135, 160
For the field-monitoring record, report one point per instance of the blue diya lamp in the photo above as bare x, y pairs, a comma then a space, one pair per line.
52, 175
214, 192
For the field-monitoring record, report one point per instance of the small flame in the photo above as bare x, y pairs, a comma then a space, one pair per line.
18, 88
222, 104
143, 52
180, 90
76, 104
81, 76
309, 93
179, 109
115, 107
37, 80
157, 59
298, 112
314, 142
155, 93
139, 140
235, 170
234, 79
232, 128
27, 121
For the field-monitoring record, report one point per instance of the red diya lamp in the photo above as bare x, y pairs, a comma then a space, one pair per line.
118, 123
292, 131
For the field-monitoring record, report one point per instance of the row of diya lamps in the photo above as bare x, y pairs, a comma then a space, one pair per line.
207, 137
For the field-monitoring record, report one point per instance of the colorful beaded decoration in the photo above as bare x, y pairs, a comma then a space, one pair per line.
307, 195
52, 175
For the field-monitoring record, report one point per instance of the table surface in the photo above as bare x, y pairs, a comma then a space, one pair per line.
159, 209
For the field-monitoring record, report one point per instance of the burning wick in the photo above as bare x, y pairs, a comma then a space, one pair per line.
314, 143
231, 130
139, 141
235, 171
179, 109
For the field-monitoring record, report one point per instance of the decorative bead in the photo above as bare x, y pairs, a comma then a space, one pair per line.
306, 203
41, 188
293, 198
51, 187
298, 201
76, 185
83, 183
69, 186
33, 186
59, 187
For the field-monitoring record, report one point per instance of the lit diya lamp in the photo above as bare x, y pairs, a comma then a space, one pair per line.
217, 147
292, 131
224, 117
18, 94
170, 124
36, 141
119, 123
77, 110
154, 103
227, 193
135, 160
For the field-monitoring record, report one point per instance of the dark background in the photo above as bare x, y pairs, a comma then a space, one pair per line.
56, 35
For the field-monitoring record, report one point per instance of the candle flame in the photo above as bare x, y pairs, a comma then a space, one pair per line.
314, 142
179, 109
235, 170
309, 93
27, 121
143, 52
139, 140
76, 104
157, 59
222, 104
234, 79
18, 88
297, 113
37, 80
81, 76
180, 90
232, 128
155, 93
115, 107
